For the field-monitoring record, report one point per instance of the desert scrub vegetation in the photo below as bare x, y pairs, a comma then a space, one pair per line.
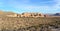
28, 23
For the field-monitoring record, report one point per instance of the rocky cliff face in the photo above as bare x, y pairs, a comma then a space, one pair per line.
11, 14
32, 15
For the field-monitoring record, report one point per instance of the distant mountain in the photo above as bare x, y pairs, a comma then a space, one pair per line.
57, 14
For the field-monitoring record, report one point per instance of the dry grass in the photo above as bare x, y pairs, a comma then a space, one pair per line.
15, 23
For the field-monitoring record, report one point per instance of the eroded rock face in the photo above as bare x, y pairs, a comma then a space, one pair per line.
11, 14
32, 15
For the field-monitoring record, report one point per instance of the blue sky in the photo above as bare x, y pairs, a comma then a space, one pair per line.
20, 6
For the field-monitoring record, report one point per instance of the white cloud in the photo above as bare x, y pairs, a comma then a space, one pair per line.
57, 6
27, 7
